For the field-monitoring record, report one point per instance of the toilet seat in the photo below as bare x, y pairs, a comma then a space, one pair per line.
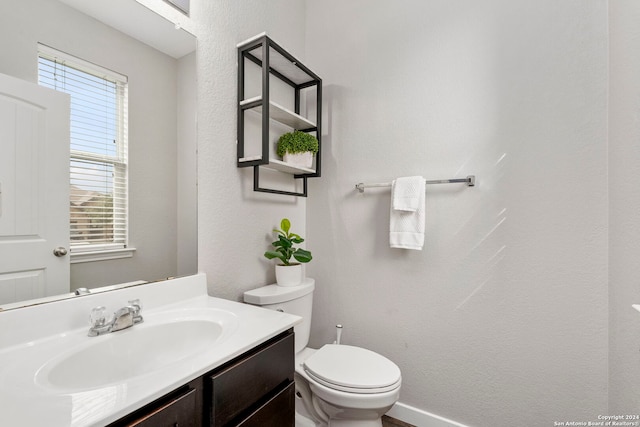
352, 369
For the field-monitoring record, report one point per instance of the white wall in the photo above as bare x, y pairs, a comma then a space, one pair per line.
234, 222
502, 319
624, 195
152, 128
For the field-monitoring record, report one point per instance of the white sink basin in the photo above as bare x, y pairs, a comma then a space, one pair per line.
155, 344
53, 374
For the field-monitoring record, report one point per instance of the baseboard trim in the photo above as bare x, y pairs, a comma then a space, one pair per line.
420, 418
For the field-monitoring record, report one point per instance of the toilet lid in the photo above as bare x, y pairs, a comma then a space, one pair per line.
352, 369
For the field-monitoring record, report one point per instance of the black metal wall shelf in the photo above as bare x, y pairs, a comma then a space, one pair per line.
274, 61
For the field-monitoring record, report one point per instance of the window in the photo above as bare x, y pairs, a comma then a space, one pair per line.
98, 149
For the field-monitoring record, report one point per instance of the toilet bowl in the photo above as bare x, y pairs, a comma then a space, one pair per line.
336, 385
350, 386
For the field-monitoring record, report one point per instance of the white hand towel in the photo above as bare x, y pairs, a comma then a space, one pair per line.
406, 227
407, 193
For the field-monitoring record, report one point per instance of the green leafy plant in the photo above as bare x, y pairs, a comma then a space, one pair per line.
284, 245
297, 142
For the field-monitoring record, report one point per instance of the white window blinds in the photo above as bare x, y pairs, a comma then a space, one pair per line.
98, 148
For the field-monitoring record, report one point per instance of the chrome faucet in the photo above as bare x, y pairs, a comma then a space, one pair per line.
123, 318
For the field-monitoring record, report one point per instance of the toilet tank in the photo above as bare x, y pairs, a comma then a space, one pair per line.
296, 300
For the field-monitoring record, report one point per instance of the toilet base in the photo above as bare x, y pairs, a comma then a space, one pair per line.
303, 421
356, 423
342, 417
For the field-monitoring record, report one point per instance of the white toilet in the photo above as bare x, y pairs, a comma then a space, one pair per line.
336, 385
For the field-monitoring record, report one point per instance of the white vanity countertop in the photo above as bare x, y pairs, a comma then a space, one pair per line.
32, 336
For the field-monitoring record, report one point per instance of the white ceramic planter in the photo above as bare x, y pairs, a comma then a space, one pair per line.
288, 275
302, 160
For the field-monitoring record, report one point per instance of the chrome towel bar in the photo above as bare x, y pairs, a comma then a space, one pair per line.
469, 180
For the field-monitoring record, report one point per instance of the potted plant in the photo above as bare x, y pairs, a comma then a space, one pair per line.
288, 273
297, 148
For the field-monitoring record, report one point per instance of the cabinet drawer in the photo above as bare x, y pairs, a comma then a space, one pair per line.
277, 412
250, 381
180, 411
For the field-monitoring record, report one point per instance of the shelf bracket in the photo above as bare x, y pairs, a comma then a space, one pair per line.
256, 185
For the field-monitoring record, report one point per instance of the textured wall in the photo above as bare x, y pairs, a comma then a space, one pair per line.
234, 222
502, 319
624, 194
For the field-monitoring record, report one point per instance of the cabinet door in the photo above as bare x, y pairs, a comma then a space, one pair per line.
277, 412
181, 411
250, 382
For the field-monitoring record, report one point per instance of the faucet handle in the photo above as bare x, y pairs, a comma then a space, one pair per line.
137, 308
97, 317
136, 303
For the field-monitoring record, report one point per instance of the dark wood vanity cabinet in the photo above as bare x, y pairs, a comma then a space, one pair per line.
253, 390
257, 382
181, 408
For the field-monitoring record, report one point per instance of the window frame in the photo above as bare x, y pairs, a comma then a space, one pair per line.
86, 252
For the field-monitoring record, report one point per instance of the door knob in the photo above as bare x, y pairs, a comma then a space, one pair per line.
60, 251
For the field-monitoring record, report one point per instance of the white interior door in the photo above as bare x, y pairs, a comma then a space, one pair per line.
34, 190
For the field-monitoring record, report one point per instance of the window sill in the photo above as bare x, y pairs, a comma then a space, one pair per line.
90, 256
